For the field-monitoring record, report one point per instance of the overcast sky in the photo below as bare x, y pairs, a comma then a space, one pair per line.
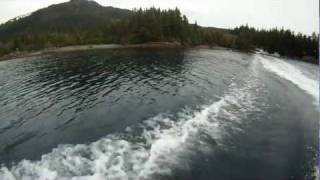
298, 15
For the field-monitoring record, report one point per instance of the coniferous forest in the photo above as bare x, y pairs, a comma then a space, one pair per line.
153, 25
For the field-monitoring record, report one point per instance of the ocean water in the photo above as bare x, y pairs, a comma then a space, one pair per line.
158, 114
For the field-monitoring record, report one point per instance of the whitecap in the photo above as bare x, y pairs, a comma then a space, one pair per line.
292, 74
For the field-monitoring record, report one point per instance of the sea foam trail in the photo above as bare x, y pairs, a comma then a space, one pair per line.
292, 74
155, 151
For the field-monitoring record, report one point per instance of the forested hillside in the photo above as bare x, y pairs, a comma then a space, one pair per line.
284, 42
80, 22
150, 25
75, 16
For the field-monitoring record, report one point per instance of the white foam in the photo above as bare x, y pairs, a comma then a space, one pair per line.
292, 74
160, 146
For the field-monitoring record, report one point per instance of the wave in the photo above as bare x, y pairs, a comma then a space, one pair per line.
144, 151
292, 74
297, 77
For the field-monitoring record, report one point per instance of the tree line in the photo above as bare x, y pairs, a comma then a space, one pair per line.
154, 24
284, 42
141, 26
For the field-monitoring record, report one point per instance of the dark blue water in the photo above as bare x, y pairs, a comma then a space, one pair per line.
158, 114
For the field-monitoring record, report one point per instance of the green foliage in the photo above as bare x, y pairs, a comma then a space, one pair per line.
68, 18
151, 25
243, 42
80, 22
284, 42
139, 26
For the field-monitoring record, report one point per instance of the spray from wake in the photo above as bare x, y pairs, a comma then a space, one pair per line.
145, 151
292, 74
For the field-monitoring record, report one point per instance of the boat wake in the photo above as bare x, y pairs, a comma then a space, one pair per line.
292, 74
149, 150
295, 76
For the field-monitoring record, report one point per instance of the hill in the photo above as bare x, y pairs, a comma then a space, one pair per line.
83, 22
69, 17
80, 22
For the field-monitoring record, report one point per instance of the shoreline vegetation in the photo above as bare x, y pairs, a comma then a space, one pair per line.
148, 45
108, 27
